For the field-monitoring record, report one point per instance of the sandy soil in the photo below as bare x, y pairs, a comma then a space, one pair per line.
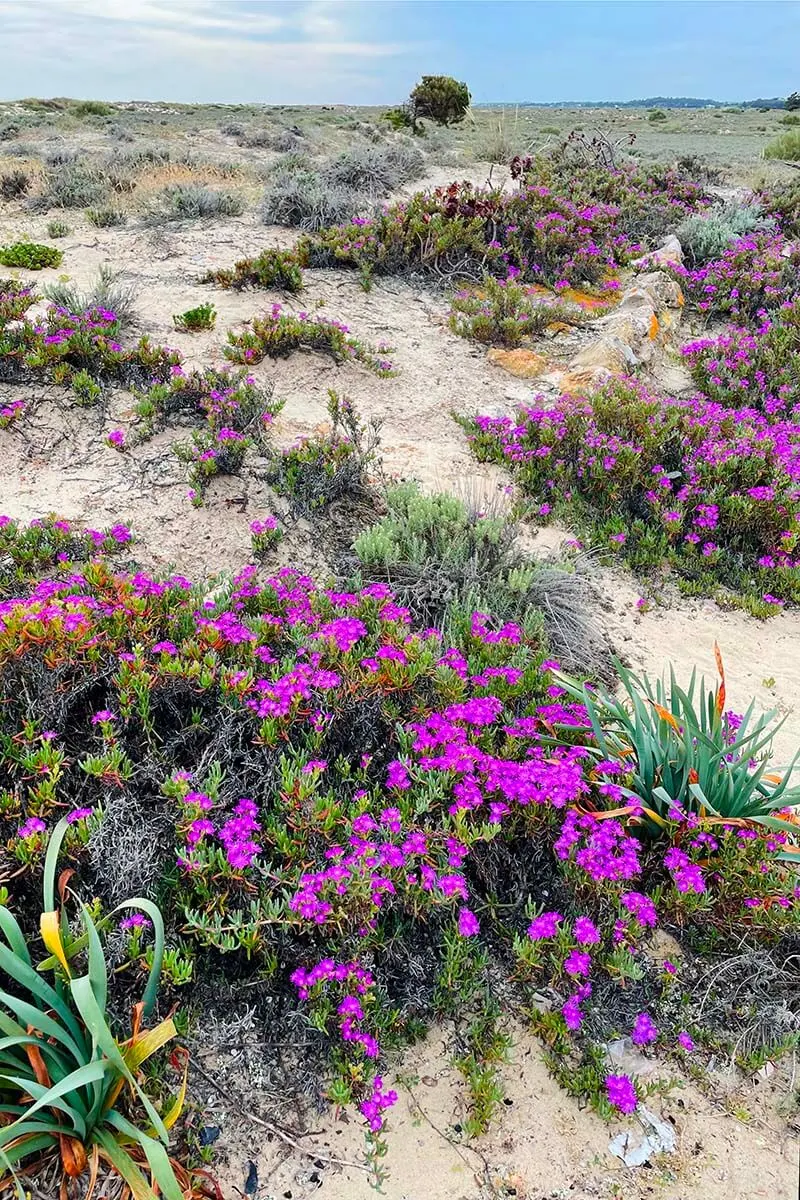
542, 1146
56, 460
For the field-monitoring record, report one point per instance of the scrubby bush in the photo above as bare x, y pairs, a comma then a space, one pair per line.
441, 99
191, 201
305, 200
790, 119
30, 255
710, 490
106, 218
401, 118
71, 184
204, 316
443, 555
503, 312
331, 466
109, 293
14, 184
707, 236
656, 114
277, 334
786, 147
271, 269
58, 229
377, 169
280, 140
92, 108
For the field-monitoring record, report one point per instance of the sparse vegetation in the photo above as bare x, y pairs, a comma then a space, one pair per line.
192, 201
106, 218
305, 200
277, 334
271, 269
204, 316
14, 184
110, 293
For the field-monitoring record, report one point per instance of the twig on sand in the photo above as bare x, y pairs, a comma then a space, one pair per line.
287, 1139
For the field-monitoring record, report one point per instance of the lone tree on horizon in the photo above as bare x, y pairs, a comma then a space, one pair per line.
440, 98
437, 98
792, 102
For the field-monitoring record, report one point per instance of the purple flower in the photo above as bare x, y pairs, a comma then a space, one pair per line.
104, 714
135, 921
685, 1042
586, 932
644, 1030
79, 814
544, 926
578, 963
468, 924
31, 827
621, 1093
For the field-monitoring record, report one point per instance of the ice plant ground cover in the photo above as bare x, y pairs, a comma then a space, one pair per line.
352, 812
711, 489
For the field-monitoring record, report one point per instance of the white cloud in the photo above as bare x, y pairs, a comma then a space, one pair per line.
276, 51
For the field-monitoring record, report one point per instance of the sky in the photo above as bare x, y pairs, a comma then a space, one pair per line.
373, 51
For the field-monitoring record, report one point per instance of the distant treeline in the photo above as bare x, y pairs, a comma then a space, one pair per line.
650, 102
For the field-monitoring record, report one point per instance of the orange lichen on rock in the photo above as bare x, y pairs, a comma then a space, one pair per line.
525, 364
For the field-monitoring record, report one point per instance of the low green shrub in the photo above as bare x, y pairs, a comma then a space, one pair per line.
505, 313
786, 147
58, 229
91, 108
443, 555
204, 316
192, 201
277, 269
106, 218
656, 115
30, 255
277, 334
707, 236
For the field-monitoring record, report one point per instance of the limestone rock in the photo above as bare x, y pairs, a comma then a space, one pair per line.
670, 254
524, 364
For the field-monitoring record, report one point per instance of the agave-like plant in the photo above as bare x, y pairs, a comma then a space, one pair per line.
63, 1073
680, 750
